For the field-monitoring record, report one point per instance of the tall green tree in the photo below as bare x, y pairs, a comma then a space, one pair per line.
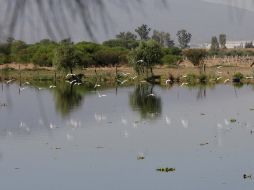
196, 57
65, 57
163, 38
223, 40
214, 44
184, 38
145, 56
143, 32
126, 36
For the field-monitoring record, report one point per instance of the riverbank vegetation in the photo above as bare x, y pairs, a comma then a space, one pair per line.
140, 54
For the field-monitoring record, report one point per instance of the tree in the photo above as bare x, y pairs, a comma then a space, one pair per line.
196, 57
146, 55
127, 44
223, 40
143, 32
214, 44
248, 45
65, 57
184, 38
163, 38
126, 36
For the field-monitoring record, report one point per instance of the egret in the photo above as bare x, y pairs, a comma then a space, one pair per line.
151, 94
10, 81
124, 81
168, 120
168, 81
218, 78
52, 86
226, 122
133, 77
219, 67
69, 74
140, 61
184, 83
101, 95
227, 80
22, 89
97, 85
185, 123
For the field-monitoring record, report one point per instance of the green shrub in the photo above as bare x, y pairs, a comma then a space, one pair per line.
171, 59
191, 78
238, 75
203, 78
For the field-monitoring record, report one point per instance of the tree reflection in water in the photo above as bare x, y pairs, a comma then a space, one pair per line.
148, 105
68, 98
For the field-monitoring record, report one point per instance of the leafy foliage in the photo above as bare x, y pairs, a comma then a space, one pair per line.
184, 38
196, 56
65, 57
214, 44
143, 32
223, 40
146, 55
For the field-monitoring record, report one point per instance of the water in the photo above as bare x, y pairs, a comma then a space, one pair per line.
75, 138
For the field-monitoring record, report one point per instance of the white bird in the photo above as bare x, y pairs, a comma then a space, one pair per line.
26, 83
151, 94
184, 76
52, 126
22, 88
69, 74
168, 120
52, 86
226, 122
185, 123
227, 80
97, 85
184, 83
124, 121
218, 78
168, 81
249, 77
126, 134
140, 61
124, 81
99, 117
133, 77
219, 67
101, 95
9, 81
125, 74
219, 126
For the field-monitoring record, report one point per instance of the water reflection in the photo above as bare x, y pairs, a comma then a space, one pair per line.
68, 98
146, 101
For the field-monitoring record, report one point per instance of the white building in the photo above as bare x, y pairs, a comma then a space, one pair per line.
229, 44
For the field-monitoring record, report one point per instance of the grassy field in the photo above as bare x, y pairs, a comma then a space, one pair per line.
108, 74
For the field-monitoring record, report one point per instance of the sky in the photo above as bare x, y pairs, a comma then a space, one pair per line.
202, 18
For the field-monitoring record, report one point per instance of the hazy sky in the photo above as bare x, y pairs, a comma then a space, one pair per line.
202, 18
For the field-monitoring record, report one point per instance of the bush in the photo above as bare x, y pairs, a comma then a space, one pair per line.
203, 78
171, 59
191, 78
238, 75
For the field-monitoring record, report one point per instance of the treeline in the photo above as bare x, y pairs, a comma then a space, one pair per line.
86, 54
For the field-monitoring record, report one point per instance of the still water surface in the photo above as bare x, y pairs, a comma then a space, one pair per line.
74, 138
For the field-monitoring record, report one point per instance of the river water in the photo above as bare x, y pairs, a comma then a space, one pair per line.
77, 138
